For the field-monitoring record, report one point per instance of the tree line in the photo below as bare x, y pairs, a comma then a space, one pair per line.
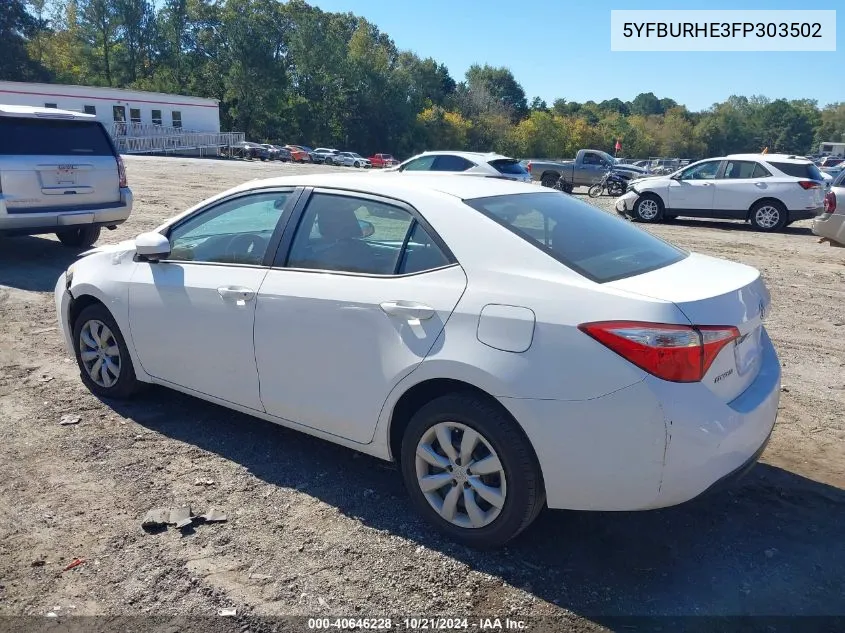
292, 73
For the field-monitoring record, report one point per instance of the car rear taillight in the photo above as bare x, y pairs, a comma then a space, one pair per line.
677, 353
809, 184
528, 167
121, 172
830, 202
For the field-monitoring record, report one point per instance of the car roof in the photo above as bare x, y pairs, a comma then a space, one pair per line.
32, 112
488, 156
767, 157
398, 185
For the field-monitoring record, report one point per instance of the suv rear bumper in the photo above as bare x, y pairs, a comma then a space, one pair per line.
37, 222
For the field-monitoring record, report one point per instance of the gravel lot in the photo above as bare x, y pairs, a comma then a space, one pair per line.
320, 530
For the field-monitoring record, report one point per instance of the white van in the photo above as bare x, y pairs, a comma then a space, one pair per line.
59, 173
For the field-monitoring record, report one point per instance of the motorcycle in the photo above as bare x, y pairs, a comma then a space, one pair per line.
613, 181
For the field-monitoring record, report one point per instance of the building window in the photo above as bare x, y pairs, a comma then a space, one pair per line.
177, 118
156, 117
119, 114
90, 110
50, 105
135, 115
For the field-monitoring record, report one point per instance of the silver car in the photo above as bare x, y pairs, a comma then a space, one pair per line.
476, 163
830, 225
59, 173
351, 159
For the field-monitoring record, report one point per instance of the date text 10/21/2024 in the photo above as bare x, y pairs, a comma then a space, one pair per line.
418, 624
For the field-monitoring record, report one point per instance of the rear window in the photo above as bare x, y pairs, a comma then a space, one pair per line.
55, 137
799, 170
508, 166
593, 243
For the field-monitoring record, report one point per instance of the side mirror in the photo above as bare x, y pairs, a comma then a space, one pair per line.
367, 228
152, 246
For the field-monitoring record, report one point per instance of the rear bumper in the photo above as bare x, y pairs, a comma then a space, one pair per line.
805, 214
49, 221
650, 445
830, 226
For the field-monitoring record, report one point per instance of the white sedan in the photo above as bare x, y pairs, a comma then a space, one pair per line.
511, 348
351, 159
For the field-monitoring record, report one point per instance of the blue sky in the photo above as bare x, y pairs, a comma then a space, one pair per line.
562, 49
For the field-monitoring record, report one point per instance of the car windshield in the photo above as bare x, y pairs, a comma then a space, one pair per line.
354, 155
593, 243
798, 170
52, 137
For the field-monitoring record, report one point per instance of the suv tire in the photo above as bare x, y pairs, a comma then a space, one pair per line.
82, 237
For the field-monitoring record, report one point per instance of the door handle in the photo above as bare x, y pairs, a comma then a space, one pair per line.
241, 294
408, 309
707, 184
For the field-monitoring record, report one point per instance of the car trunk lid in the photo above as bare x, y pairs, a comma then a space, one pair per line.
714, 292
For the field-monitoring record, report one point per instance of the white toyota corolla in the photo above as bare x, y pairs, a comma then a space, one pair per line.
509, 347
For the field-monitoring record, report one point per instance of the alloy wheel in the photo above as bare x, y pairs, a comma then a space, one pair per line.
100, 353
460, 475
648, 209
767, 216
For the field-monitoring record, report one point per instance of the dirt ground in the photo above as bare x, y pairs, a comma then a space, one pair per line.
315, 529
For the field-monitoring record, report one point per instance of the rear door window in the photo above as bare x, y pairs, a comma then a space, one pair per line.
508, 166
452, 163
593, 243
53, 137
799, 170
760, 171
737, 169
423, 163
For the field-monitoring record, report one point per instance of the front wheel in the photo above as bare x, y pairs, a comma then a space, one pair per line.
82, 237
768, 215
470, 471
648, 208
101, 353
328, 161
595, 191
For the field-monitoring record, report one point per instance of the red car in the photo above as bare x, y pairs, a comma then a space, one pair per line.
299, 153
383, 160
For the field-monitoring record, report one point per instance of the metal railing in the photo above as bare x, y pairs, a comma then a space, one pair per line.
178, 140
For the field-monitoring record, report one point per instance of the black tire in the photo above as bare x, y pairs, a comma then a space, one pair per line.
525, 496
82, 237
126, 385
645, 210
595, 191
549, 180
357, 164
768, 216
328, 161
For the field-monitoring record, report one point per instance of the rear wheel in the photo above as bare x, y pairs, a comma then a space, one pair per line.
649, 208
81, 237
102, 355
768, 215
595, 191
549, 180
328, 161
357, 164
470, 472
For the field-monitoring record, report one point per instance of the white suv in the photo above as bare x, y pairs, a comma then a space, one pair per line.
484, 164
768, 190
59, 173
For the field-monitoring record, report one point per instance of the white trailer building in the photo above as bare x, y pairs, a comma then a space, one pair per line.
139, 121
832, 149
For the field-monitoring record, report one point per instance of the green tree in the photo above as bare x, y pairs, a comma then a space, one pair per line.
17, 25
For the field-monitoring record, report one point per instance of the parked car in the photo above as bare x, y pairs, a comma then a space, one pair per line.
351, 159
284, 153
586, 170
488, 164
830, 225
272, 151
299, 153
383, 160
59, 173
249, 150
610, 370
768, 190
831, 161
323, 155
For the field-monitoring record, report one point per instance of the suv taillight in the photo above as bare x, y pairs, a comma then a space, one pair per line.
809, 184
121, 172
677, 353
830, 202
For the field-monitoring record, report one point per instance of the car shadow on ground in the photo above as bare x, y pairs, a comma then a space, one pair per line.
734, 225
771, 545
34, 263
